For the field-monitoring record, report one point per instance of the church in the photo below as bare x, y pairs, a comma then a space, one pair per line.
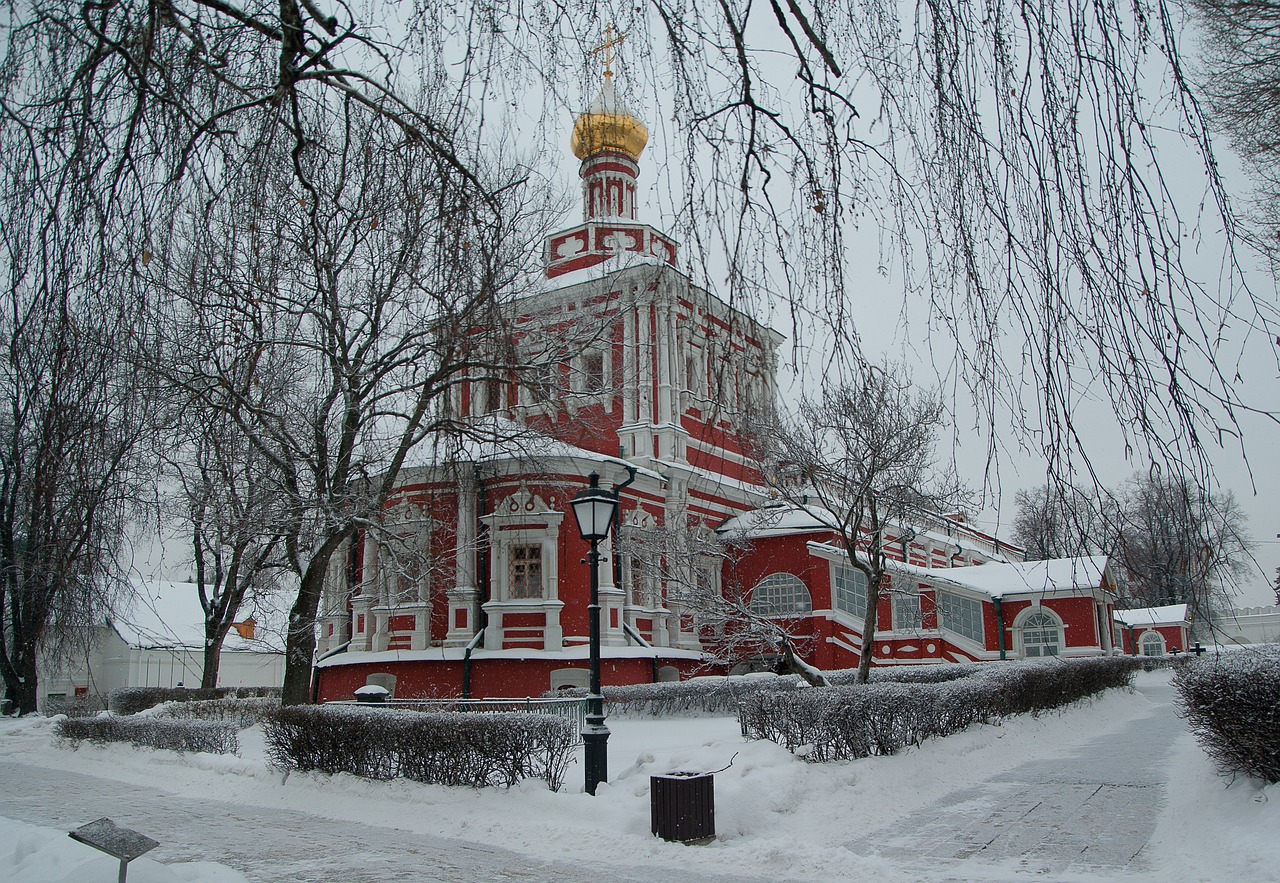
475, 584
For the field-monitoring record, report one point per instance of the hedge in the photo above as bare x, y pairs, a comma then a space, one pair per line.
131, 700
845, 722
1232, 704
241, 713
151, 732
443, 748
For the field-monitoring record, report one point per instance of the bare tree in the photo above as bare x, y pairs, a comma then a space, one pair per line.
331, 320
861, 461
1240, 73
1179, 544
1021, 169
683, 560
227, 503
1062, 521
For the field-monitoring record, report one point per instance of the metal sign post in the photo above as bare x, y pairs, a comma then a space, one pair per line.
106, 836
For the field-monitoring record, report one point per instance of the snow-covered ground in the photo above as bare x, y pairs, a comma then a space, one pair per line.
776, 816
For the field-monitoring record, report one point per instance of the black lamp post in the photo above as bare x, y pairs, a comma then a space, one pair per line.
594, 507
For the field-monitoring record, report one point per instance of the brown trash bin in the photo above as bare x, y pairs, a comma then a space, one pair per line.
683, 807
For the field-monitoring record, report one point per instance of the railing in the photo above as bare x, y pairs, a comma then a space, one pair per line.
575, 709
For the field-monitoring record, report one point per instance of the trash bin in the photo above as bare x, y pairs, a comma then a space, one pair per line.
683, 806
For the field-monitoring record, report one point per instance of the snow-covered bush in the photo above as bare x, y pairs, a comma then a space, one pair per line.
77, 706
444, 748
711, 695
240, 712
844, 722
152, 732
1232, 704
131, 700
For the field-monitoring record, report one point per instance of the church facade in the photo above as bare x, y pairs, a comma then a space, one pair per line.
474, 585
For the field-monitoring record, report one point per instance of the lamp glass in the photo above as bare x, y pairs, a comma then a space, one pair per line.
593, 508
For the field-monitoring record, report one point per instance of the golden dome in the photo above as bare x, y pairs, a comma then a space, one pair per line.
608, 125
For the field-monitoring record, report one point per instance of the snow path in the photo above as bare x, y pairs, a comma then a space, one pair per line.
276, 845
1090, 810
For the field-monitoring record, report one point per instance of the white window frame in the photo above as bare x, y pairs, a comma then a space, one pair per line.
1021, 628
1143, 643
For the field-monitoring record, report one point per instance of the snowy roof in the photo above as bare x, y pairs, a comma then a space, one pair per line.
492, 439
997, 579
1170, 614
779, 519
161, 614
783, 519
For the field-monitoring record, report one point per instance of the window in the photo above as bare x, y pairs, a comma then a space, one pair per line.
591, 377
1152, 644
640, 582
526, 572
850, 590
780, 594
906, 609
1041, 635
961, 615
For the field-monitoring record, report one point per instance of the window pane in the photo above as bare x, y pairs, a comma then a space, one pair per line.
961, 615
850, 590
906, 610
780, 594
526, 572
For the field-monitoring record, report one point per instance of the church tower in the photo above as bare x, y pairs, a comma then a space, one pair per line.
608, 139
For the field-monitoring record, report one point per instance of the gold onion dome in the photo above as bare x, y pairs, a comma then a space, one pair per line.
609, 125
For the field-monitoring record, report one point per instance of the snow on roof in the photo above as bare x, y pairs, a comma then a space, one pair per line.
782, 519
492, 438
1000, 579
779, 519
162, 614
1170, 614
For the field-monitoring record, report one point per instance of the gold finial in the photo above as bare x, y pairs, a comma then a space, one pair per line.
605, 50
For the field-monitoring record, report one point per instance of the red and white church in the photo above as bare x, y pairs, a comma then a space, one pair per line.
475, 585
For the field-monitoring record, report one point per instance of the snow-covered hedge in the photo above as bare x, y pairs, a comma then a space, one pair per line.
722, 695
131, 700
444, 748
844, 722
704, 696
234, 710
152, 732
1232, 704
75, 706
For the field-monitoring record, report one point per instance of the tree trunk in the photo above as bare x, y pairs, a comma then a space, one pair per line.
212, 655
869, 630
795, 665
300, 645
25, 691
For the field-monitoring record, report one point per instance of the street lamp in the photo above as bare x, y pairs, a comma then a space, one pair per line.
593, 507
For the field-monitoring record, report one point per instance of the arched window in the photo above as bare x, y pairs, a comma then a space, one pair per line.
1041, 634
1152, 643
780, 594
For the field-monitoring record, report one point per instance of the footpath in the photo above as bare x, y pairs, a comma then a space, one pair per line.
1089, 814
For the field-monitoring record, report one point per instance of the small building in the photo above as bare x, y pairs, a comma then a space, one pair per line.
1154, 631
158, 641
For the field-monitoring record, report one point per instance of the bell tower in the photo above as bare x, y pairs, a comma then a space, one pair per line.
608, 139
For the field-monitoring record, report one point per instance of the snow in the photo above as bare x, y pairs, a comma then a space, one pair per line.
493, 438
996, 579
776, 816
1171, 614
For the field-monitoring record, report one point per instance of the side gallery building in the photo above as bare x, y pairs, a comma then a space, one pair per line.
475, 583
